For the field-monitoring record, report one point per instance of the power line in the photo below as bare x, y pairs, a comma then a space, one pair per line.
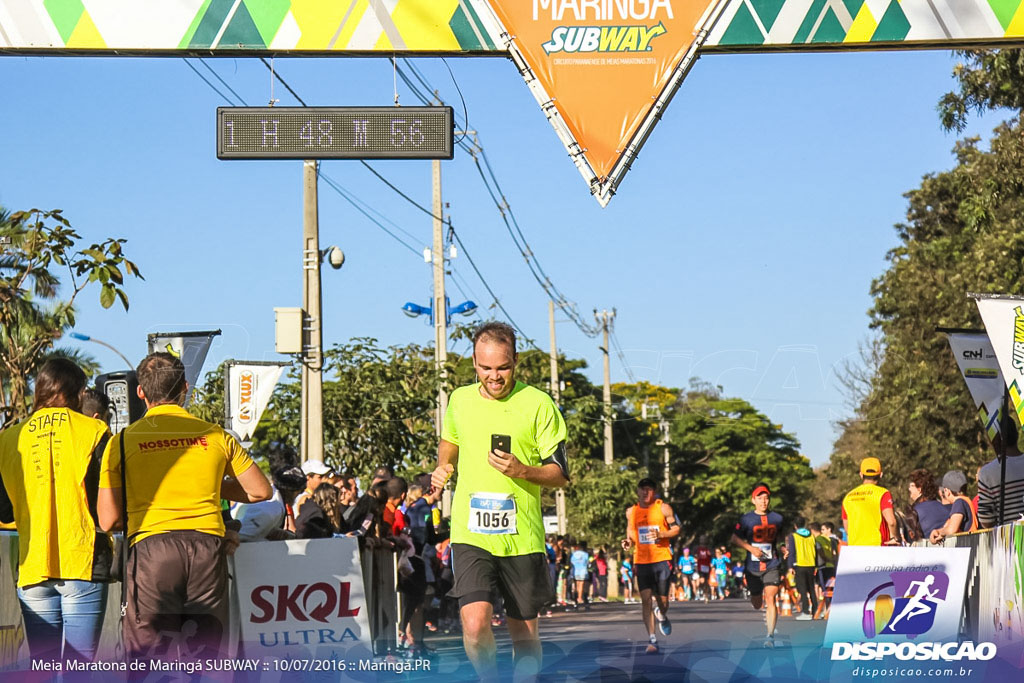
621, 355
490, 291
477, 152
422, 208
207, 81
351, 200
357, 203
280, 80
225, 83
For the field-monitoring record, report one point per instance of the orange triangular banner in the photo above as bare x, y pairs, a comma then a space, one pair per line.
603, 63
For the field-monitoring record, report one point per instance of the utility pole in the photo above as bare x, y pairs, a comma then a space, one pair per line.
605, 319
440, 301
556, 393
664, 441
312, 419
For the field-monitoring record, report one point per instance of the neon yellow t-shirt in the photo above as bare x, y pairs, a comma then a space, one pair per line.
491, 511
175, 463
43, 463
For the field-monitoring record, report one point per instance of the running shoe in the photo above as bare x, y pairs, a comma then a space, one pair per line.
769, 642
665, 626
652, 649
804, 617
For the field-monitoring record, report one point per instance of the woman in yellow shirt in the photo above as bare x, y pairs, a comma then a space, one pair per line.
49, 467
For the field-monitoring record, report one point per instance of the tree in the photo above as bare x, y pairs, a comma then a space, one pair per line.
42, 272
721, 448
962, 234
988, 79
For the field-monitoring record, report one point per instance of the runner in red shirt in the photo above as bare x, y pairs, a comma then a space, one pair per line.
703, 569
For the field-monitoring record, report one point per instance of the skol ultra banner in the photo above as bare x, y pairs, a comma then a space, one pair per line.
301, 599
190, 347
248, 386
1004, 322
977, 362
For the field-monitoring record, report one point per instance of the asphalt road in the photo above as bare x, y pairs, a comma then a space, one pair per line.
719, 641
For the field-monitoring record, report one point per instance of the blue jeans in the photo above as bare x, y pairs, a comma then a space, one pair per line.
63, 613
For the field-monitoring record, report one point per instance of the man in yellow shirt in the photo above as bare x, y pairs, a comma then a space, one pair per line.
176, 470
868, 516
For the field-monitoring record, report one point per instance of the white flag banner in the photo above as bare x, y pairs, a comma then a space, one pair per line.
1004, 321
248, 386
977, 362
190, 347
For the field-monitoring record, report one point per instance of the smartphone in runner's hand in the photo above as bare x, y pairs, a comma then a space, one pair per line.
501, 442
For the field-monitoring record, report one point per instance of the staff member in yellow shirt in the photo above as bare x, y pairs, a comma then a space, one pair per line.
50, 467
176, 581
868, 516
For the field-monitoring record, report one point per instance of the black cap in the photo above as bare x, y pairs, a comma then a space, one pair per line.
289, 479
647, 482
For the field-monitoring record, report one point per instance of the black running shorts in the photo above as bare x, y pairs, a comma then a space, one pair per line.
653, 576
522, 580
756, 581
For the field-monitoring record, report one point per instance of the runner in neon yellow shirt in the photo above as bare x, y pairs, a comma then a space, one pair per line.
497, 528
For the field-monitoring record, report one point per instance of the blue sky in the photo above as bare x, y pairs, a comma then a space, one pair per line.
740, 249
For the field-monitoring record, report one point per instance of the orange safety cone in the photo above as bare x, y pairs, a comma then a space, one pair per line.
787, 606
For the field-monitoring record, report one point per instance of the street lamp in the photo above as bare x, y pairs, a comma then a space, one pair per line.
414, 310
84, 337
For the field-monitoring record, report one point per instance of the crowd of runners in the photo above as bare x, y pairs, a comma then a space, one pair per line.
488, 565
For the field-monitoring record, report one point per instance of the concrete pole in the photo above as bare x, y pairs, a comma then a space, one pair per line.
607, 395
440, 308
556, 393
312, 419
440, 301
665, 490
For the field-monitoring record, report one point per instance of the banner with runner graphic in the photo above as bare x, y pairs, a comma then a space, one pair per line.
190, 347
977, 362
248, 386
896, 595
1004, 321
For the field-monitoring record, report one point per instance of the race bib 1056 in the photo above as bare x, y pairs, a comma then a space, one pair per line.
492, 513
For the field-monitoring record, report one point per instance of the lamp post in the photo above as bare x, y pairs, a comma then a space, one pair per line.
441, 347
84, 337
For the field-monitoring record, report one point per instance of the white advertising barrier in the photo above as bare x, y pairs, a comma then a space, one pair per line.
896, 595
13, 647
1000, 616
301, 599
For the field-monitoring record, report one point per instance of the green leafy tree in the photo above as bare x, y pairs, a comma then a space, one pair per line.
962, 234
42, 272
379, 408
721, 448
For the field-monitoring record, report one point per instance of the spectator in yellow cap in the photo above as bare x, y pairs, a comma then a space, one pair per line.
868, 515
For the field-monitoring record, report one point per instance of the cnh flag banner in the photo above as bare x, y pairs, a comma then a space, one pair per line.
1004, 320
248, 386
977, 362
190, 347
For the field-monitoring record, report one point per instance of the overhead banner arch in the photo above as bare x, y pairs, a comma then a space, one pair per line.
601, 70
